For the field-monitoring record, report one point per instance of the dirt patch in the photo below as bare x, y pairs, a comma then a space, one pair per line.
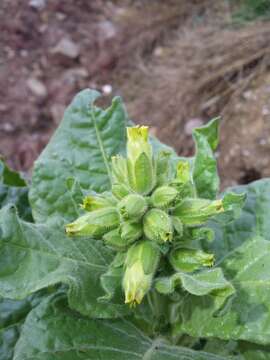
176, 65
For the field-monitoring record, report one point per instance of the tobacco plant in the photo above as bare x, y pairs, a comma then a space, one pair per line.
120, 249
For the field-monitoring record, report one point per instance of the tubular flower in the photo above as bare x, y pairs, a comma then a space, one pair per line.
140, 167
94, 223
140, 266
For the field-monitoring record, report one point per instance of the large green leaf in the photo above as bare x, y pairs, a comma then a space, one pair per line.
53, 332
208, 282
13, 190
254, 220
243, 250
205, 173
12, 316
34, 256
81, 148
238, 350
254, 352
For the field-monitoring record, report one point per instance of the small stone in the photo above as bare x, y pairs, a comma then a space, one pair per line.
37, 4
265, 111
37, 87
60, 16
24, 53
249, 95
263, 142
7, 127
192, 124
107, 29
158, 51
76, 73
106, 89
246, 152
66, 47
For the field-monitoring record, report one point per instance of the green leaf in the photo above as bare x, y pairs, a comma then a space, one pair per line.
254, 220
34, 256
53, 332
205, 174
242, 249
248, 318
10, 177
12, 316
81, 148
111, 282
254, 352
13, 190
211, 282
241, 350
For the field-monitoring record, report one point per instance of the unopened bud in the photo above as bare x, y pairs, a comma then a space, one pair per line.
113, 238
197, 211
163, 196
163, 167
183, 171
140, 167
140, 266
130, 231
157, 226
178, 226
95, 223
95, 202
120, 190
138, 142
132, 207
119, 169
189, 260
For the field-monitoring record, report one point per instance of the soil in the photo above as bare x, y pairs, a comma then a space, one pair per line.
52, 49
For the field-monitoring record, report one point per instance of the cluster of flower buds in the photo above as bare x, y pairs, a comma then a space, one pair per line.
151, 210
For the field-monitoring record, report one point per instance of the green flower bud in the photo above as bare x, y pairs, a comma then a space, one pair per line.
130, 231
178, 226
163, 196
120, 190
157, 226
95, 202
140, 266
183, 181
163, 167
132, 207
95, 223
189, 260
183, 171
138, 142
197, 211
119, 169
140, 167
113, 238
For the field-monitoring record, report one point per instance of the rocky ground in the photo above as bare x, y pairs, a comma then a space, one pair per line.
175, 64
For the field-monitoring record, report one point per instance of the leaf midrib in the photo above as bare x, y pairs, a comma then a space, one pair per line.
100, 144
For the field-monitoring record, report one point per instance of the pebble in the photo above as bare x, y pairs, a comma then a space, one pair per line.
107, 29
106, 89
37, 4
37, 87
66, 47
7, 127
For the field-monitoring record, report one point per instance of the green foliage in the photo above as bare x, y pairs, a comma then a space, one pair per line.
89, 339
153, 232
252, 10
